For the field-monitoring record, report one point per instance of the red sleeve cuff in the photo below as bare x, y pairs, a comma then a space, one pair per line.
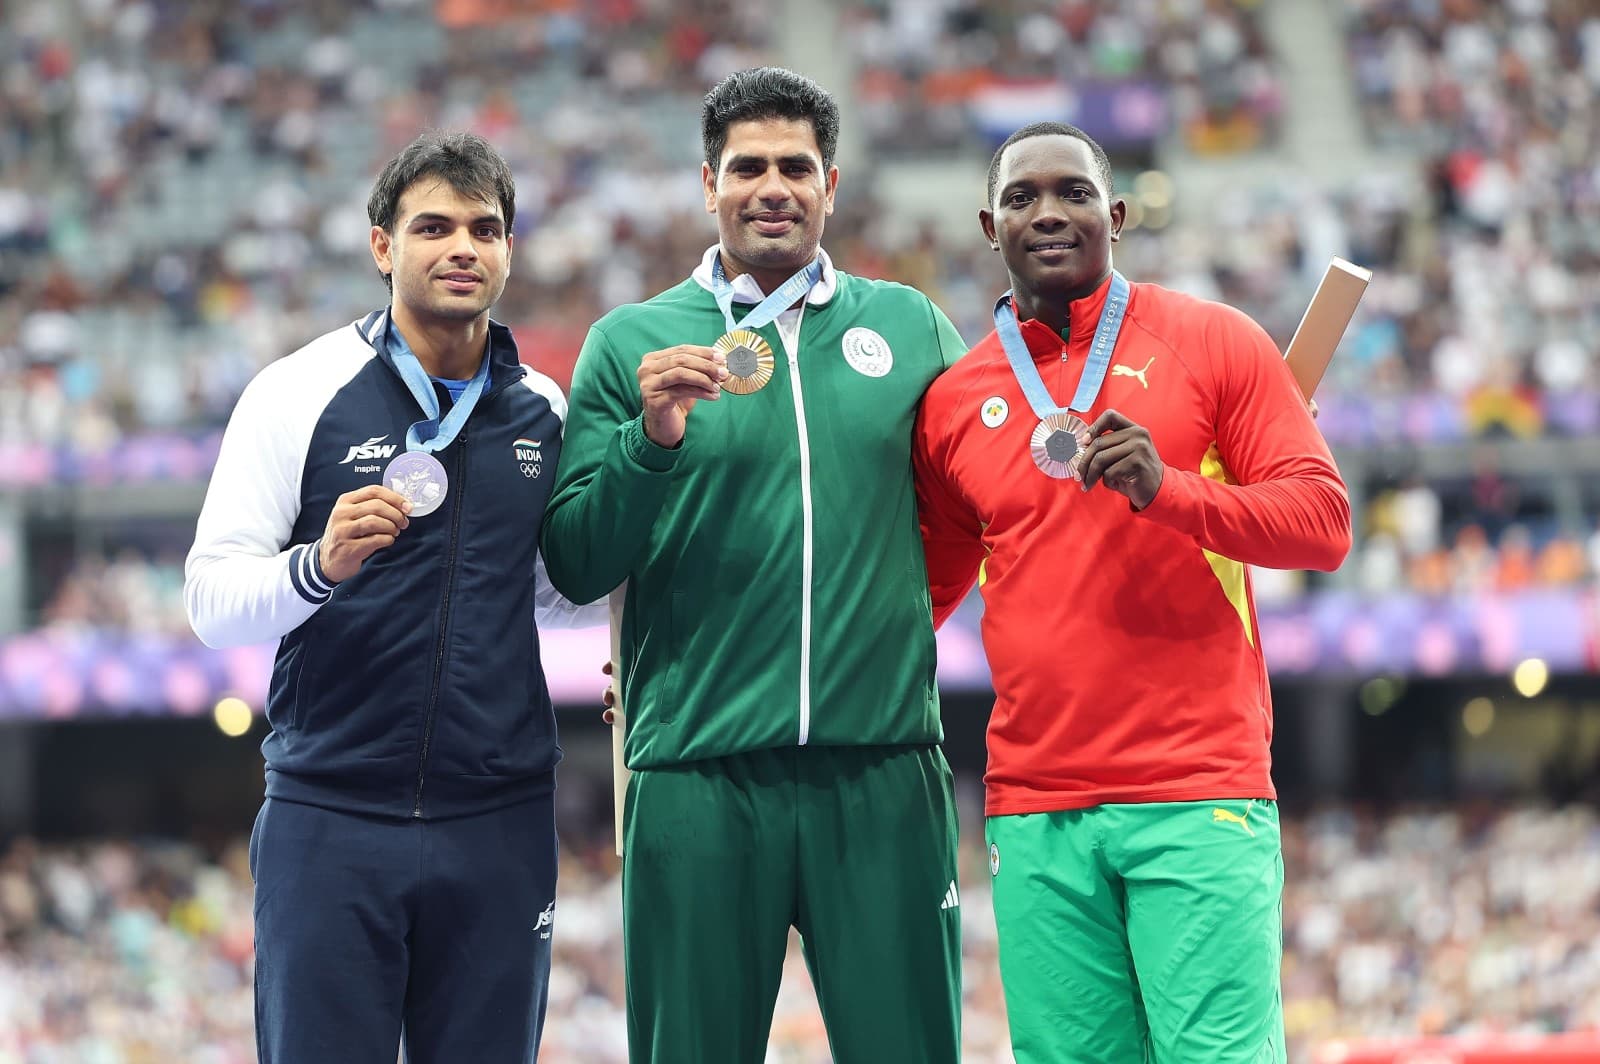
1174, 504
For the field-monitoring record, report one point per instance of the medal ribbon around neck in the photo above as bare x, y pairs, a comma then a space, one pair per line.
433, 434
750, 360
1059, 440
416, 474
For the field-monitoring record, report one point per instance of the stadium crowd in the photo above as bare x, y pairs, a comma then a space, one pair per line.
1500, 103
181, 185
1417, 923
128, 592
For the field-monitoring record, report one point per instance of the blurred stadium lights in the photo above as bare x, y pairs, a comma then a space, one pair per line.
1530, 677
233, 716
1135, 216
1477, 716
1380, 693
1153, 193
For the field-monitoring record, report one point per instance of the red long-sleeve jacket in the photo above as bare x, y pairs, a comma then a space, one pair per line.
1123, 644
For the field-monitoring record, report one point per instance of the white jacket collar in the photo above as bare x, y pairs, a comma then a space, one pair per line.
745, 289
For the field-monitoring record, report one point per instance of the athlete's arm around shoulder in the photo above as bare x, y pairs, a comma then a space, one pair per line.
611, 480
952, 534
951, 346
1286, 506
243, 581
552, 609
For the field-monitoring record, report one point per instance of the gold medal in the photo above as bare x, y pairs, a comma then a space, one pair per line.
1058, 445
749, 361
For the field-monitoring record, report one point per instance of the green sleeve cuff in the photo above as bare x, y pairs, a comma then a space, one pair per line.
644, 451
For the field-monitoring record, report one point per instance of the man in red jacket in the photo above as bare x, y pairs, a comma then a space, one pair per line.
1105, 465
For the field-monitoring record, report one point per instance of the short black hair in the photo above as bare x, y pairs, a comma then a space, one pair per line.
767, 92
465, 160
1051, 129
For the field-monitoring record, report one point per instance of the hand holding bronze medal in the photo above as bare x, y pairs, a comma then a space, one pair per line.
1123, 457
749, 358
1060, 441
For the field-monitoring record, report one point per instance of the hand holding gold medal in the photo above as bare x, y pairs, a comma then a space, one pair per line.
671, 381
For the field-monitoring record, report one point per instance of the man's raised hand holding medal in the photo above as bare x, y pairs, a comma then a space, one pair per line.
362, 523
1122, 456
671, 381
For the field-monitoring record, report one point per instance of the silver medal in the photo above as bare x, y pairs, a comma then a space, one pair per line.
420, 479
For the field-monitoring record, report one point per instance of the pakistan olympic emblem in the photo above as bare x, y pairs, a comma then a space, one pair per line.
867, 352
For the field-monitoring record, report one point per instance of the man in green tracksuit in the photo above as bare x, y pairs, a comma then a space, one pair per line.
777, 662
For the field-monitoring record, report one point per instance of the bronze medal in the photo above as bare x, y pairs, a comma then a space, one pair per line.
1058, 446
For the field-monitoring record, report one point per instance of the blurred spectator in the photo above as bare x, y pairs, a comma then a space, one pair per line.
940, 76
1441, 923
130, 593
1501, 100
177, 184
1493, 545
114, 952
1416, 516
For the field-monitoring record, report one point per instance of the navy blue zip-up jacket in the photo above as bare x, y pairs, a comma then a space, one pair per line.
414, 688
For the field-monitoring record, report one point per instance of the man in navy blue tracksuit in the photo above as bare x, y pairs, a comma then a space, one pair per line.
376, 507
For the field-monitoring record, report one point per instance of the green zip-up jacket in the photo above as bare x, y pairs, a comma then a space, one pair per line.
776, 588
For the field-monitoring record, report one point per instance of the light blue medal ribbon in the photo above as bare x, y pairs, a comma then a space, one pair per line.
433, 434
1059, 440
749, 357
417, 474
766, 312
